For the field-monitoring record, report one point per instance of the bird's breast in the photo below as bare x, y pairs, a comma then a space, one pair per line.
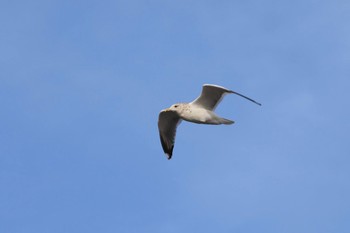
196, 115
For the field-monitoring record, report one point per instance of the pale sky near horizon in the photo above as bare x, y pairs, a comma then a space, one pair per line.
82, 84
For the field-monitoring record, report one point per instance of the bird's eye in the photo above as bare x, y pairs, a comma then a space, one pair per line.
175, 106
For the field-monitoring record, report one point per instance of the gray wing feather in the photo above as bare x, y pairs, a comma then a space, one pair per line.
211, 96
167, 124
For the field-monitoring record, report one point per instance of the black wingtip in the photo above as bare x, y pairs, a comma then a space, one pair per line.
234, 92
167, 151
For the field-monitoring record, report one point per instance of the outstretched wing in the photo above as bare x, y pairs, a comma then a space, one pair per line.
167, 123
211, 96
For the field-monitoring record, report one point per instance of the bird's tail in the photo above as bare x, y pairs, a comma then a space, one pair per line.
226, 121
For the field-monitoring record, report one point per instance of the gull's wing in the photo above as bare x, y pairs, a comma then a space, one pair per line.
211, 96
167, 122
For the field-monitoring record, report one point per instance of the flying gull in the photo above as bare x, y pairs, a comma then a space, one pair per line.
200, 111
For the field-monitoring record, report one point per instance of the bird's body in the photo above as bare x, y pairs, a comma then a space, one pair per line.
196, 114
200, 111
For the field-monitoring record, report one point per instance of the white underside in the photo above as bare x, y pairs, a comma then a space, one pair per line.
201, 116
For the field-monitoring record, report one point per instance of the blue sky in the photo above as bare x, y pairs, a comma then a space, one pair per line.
81, 86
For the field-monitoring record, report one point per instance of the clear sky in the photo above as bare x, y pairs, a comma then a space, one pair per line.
82, 84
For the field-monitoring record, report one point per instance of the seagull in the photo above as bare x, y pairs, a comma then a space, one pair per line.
200, 111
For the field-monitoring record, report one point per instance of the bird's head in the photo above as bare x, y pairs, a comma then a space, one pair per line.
174, 106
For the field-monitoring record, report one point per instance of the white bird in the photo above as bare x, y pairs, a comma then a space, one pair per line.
200, 111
